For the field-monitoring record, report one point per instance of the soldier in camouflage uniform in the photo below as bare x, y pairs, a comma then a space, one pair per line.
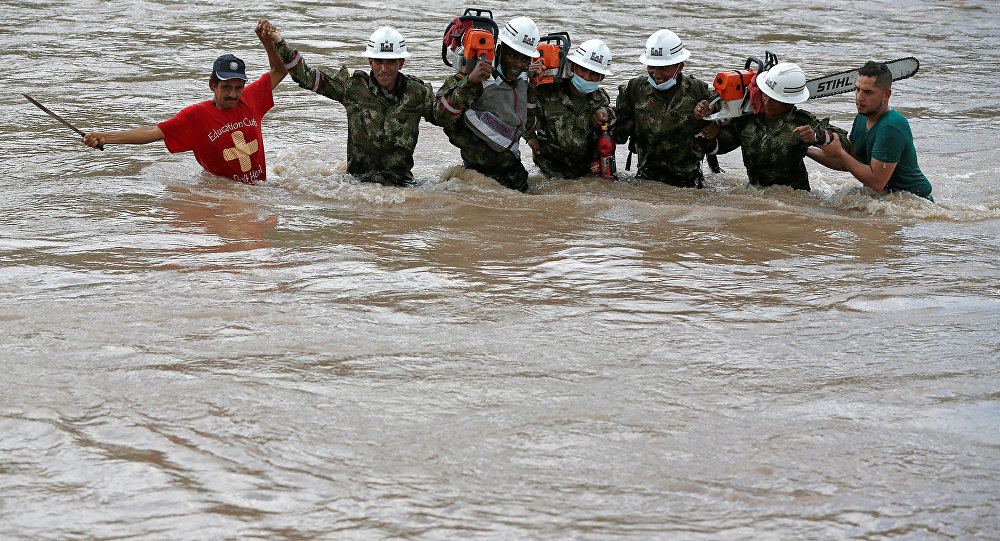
384, 107
569, 111
656, 113
775, 140
486, 112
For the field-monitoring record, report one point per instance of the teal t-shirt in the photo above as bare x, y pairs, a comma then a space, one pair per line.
890, 141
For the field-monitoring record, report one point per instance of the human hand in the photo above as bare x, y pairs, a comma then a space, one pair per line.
807, 134
535, 71
831, 151
535, 147
702, 109
267, 31
711, 131
481, 72
599, 118
94, 140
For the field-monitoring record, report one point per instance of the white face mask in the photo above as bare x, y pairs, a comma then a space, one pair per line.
585, 86
666, 85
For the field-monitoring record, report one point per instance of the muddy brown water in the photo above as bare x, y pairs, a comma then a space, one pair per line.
188, 358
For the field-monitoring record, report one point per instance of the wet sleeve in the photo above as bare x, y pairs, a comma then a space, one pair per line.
889, 145
320, 81
455, 96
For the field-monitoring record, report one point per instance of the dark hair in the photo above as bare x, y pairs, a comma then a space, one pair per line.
878, 70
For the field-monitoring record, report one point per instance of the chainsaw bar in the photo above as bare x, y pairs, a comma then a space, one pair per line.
839, 83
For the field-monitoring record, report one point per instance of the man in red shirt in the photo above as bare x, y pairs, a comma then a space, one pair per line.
224, 132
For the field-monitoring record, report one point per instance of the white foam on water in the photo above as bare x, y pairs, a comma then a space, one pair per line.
308, 170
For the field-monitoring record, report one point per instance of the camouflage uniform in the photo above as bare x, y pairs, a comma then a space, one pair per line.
772, 151
382, 126
664, 130
564, 133
453, 98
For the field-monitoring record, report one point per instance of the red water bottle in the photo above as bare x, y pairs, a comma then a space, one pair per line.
606, 154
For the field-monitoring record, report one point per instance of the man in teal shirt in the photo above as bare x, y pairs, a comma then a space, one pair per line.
884, 157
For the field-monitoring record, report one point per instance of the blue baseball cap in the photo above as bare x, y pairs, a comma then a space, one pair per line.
228, 67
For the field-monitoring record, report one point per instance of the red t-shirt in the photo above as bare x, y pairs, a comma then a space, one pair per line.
226, 143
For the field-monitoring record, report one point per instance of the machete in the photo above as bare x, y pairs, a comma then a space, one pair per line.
59, 118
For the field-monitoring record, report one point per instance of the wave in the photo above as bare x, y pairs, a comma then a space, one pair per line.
308, 173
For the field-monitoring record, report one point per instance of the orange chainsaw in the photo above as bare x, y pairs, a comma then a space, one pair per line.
470, 38
553, 49
736, 93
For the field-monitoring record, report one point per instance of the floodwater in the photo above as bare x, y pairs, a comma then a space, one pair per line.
184, 357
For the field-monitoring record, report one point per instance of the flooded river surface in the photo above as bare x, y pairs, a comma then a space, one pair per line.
184, 357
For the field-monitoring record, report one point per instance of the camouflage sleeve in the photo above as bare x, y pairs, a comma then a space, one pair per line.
702, 92
624, 111
428, 105
454, 96
841, 134
531, 123
728, 139
826, 133
603, 102
845, 141
320, 81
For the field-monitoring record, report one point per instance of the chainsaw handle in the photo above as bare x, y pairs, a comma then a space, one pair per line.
770, 59
444, 54
478, 12
755, 60
483, 22
562, 37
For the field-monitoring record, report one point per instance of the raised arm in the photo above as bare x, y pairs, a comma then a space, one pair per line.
331, 84
268, 35
458, 92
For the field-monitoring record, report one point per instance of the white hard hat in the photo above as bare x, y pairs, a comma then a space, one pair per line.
594, 55
664, 48
386, 43
784, 82
522, 35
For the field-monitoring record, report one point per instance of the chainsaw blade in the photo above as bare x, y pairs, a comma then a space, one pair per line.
839, 83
